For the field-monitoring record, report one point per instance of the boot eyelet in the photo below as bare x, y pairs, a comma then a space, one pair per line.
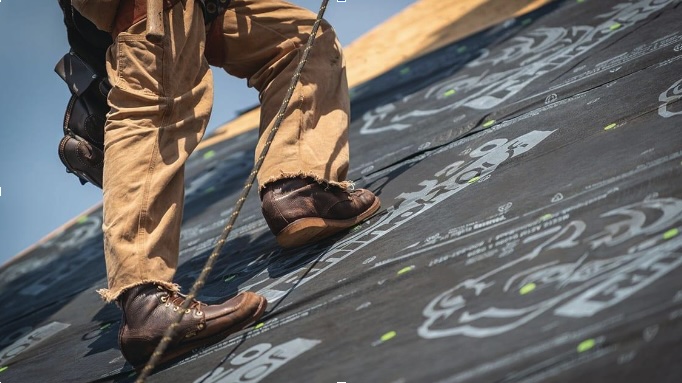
164, 298
167, 304
187, 311
200, 326
198, 313
175, 308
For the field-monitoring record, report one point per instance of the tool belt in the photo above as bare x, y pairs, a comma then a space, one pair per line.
82, 148
84, 71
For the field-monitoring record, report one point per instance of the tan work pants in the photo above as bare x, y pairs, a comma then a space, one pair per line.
161, 103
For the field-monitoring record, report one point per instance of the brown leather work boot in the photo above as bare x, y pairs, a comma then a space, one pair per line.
301, 210
149, 309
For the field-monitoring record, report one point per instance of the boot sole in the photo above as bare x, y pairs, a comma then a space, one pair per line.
308, 230
177, 354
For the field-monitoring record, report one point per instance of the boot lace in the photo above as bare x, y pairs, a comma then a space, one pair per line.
175, 300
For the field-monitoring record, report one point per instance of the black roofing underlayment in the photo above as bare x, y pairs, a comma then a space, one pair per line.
530, 229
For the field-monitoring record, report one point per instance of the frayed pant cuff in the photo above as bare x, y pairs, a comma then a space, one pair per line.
346, 185
111, 295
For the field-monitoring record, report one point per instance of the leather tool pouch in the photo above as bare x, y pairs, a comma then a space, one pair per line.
82, 148
83, 69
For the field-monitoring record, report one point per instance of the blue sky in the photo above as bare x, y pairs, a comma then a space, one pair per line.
36, 194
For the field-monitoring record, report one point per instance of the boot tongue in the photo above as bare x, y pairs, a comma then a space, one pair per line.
178, 299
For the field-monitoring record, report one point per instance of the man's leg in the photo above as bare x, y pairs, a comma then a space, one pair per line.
303, 179
160, 105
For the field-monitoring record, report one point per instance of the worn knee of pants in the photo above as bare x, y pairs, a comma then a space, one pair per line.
263, 41
160, 105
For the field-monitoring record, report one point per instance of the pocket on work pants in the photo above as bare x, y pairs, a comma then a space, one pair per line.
139, 65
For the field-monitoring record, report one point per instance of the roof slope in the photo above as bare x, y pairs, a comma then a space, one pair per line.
420, 28
530, 228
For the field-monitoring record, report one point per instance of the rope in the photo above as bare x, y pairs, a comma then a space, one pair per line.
199, 283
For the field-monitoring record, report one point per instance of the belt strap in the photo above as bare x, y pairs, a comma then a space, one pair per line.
213, 9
